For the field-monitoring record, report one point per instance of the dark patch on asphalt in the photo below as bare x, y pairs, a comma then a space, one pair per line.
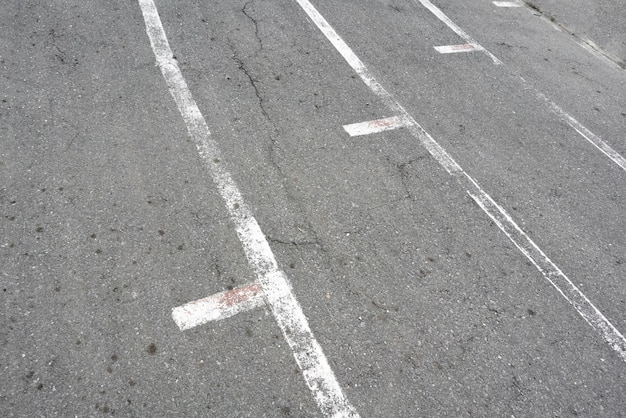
152, 349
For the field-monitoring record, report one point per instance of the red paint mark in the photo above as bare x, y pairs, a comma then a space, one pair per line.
466, 47
382, 122
240, 294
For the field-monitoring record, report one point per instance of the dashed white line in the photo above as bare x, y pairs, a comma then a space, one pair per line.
505, 222
272, 280
452, 49
375, 126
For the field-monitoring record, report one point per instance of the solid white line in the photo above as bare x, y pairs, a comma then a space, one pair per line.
578, 127
507, 4
451, 49
596, 50
374, 126
552, 273
435, 10
549, 270
564, 116
276, 288
218, 306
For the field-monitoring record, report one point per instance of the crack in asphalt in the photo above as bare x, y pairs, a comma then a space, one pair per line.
273, 136
254, 21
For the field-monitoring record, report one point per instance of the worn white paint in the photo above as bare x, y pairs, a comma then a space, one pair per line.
552, 273
452, 49
578, 127
273, 281
507, 4
563, 116
218, 306
504, 221
375, 126
445, 19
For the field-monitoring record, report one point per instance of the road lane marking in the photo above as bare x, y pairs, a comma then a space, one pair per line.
578, 127
451, 49
468, 39
218, 306
375, 126
552, 273
275, 285
505, 222
507, 4
554, 108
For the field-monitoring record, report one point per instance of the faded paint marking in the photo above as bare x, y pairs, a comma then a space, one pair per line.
277, 292
240, 294
505, 222
507, 4
218, 306
450, 49
375, 126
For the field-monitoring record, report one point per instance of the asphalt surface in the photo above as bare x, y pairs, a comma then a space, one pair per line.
595, 21
422, 305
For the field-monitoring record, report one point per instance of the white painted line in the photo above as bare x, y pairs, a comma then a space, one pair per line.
507, 4
565, 117
549, 270
437, 12
578, 127
273, 281
596, 50
375, 126
451, 49
218, 306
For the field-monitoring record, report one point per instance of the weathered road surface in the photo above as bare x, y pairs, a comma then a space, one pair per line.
396, 207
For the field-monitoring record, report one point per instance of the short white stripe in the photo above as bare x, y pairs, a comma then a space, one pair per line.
374, 126
276, 288
549, 270
451, 49
218, 306
507, 4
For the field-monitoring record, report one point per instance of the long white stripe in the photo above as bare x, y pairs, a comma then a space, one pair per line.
276, 288
554, 108
552, 273
549, 270
578, 127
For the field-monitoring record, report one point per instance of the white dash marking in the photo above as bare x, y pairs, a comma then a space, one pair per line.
507, 4
451, 49
276, 287
445, 19
375, 126
550, 271
218, 306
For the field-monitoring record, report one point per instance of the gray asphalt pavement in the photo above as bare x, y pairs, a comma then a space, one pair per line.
422, 305
600, 22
